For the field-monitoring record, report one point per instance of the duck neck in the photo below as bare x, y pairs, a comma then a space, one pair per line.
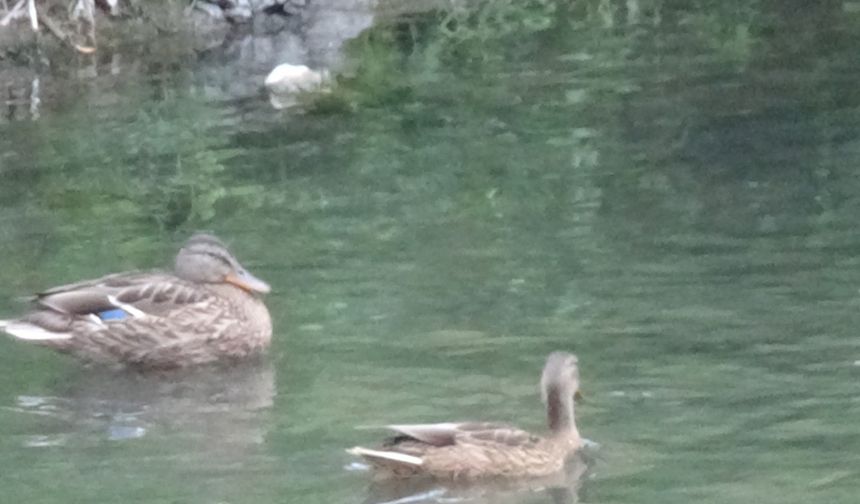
559, 411
247, 306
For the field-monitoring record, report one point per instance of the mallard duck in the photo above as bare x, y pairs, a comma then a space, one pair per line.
207, 310
475, 450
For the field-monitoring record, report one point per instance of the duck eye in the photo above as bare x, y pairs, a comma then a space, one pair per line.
217, 257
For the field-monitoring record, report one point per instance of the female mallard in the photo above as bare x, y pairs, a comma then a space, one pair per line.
470, 450
206, 311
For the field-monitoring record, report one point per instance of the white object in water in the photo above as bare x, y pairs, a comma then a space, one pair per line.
286, 78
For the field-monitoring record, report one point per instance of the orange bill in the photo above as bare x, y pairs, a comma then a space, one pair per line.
247, 281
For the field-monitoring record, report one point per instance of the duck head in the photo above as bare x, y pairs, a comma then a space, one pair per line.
205, 259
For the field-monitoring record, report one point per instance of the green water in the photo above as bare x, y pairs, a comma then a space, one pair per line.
672, 194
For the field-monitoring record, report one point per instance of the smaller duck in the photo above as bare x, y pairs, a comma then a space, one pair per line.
209, 309
465, 451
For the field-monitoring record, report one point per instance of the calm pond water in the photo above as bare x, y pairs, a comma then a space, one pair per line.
671, 193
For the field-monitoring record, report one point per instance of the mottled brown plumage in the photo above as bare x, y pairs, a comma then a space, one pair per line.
207, 310
477, 450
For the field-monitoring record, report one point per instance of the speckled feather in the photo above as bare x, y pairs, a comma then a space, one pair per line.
463, 451
185, 324
174, 322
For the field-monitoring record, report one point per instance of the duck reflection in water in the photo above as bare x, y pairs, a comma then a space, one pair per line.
216, 415
559, 488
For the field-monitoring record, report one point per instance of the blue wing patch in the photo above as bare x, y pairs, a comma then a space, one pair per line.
115, 314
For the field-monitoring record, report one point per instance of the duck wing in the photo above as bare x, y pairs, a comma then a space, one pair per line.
499, 435
448, 433
406, 453
139, 292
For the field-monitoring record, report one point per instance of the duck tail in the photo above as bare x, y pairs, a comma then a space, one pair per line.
30, 332
389, 456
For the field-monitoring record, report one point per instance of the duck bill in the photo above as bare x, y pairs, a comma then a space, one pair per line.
247, 281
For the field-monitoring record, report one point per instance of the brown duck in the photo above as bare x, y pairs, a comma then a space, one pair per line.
475, 450
207, 310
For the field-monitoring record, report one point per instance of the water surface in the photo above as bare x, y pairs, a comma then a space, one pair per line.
671, 193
